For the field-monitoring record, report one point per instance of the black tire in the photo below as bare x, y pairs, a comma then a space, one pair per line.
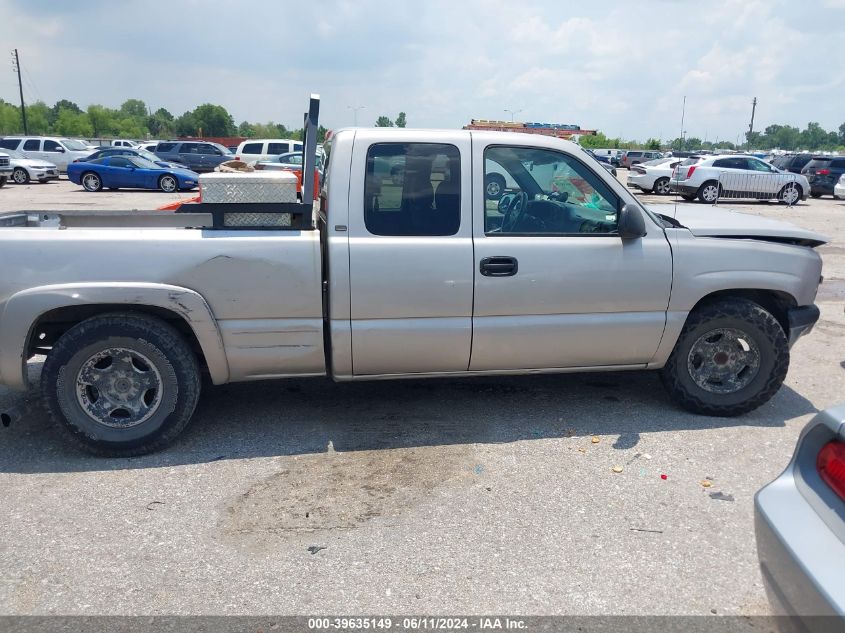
689, 197
91, 181
815, 194
709, 192
20, 176
2, 180
661, 186
759, 327
494, 186
168, 183
789, 190
174, 365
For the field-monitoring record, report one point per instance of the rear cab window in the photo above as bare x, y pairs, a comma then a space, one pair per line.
412, 189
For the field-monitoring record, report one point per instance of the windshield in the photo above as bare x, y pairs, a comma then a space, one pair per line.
226, 151
74, 146
148, 155
143, 163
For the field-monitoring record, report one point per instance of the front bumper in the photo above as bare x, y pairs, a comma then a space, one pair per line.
801, 322
839, 192
640, 181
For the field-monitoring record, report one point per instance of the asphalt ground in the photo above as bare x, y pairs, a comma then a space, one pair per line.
485, 495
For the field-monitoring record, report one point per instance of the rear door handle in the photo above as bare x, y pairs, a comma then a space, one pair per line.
499, 266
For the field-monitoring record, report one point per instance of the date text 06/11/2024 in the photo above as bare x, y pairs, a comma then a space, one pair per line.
415, 623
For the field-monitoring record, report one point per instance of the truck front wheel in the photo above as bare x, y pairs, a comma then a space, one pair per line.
731, 357
121, 384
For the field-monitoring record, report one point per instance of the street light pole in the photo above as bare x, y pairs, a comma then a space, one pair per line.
355, 110
513, 112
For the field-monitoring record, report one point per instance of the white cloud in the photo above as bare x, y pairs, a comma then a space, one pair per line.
622, 67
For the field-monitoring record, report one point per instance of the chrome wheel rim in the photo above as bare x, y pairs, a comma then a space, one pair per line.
790, 194
91, 182
168, 184
710, 193
493, 188
119, 388
723, 361
662, 187
19, 176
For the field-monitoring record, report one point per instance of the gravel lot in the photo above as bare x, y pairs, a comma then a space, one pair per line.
428, 497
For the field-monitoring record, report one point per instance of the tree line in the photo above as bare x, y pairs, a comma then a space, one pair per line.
786, 137
135, 120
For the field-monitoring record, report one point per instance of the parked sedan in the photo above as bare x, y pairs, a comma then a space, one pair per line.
115, 172
133, 151
25, 169
839, 189
292, 161
654, 175
800, 526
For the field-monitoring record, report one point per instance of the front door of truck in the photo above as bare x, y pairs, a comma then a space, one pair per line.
555, 285
410, 255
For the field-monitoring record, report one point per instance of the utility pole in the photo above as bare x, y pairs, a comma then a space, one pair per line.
355, 112
683, 114
513, 112
16, 65
751, 126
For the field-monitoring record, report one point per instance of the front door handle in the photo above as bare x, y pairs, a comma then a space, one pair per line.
499, 266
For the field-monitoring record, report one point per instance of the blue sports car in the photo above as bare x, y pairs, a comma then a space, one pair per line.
135, 172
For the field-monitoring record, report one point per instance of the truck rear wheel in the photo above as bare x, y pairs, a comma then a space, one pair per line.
121, 384
731, 357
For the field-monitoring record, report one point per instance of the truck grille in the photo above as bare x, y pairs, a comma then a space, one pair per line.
4, 161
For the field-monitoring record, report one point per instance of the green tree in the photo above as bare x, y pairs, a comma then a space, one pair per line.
62, 104
384, 121
185, 125
401, 120
246, 129
38, 118
102, 119
160, 124
70, 123
134, 108
213, 120
813, 137
842, 134
652, 143
10, 119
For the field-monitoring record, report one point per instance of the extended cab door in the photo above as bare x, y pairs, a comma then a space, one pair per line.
410, 253
555, 285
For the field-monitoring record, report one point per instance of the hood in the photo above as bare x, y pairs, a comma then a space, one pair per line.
32, 162
709, 221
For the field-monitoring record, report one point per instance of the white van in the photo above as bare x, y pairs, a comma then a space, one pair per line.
256, 149
57, 150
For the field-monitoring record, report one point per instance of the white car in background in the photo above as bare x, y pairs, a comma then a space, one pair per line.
25, 169
654, 175
736, 176
839, 188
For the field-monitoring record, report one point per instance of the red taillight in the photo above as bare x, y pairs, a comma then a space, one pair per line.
823, 172
691, 169
831, 466
237, 157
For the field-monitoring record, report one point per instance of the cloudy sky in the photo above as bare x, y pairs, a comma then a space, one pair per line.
622, 67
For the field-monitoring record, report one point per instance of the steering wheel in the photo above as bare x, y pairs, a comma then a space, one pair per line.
515, 211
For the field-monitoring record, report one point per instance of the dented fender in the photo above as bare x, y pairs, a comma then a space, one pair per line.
23, 309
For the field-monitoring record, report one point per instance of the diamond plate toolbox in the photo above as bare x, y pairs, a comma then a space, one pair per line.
233, 187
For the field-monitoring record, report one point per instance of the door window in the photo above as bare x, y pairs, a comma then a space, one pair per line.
253, 148
412, 189
52, 146
165, 147
32, 145
545, 192
731, 163
120, 161
209, 150
277, 148
758, 165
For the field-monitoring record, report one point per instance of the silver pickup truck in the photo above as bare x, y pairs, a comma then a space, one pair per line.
407, 267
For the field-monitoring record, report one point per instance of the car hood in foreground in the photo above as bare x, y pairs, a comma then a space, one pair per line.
709, 221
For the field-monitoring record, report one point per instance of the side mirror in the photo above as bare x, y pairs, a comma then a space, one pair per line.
631, 222
60, 149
